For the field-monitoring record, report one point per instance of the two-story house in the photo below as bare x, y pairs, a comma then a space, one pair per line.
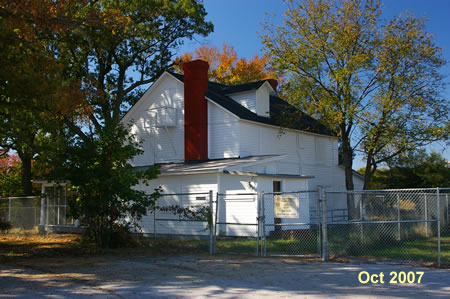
230, 139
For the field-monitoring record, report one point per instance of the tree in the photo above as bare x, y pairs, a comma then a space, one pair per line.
114, 49
10, 176
414, 170
30, 79
226, 68
375, 82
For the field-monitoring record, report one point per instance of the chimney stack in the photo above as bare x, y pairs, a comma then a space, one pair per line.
195, 110
273, 83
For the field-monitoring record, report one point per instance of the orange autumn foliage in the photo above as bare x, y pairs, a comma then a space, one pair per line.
226, 68
32, 67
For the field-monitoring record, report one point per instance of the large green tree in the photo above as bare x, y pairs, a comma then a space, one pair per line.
376, 82
31, 83
416, 169
114, 49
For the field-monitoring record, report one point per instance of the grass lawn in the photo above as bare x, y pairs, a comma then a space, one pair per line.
381, 242
71, 245
273, 246
416, 250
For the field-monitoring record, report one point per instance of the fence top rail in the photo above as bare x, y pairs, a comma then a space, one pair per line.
21, 197
387, 190
239, 194
178, 194
381, 221
290, 192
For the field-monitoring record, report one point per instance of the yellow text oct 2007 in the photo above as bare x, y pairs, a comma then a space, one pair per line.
402, 277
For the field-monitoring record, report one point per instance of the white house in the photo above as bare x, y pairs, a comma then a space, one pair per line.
229, 139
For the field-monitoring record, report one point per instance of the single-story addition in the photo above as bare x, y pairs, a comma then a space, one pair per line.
231, 140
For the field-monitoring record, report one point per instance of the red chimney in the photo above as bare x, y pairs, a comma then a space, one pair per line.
195, 110
274, 84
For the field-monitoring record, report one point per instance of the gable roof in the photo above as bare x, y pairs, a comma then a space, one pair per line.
280, 111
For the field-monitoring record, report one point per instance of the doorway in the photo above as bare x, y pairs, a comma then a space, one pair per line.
276, 188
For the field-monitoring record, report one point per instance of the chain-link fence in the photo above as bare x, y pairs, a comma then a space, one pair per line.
26, 214
408, 225
444, 196
22, 213
55, 215
287, 225
397, 225
181, 216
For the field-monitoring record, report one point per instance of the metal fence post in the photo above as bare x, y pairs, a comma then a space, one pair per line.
361, 217
426, 216
258, 208
9, 209
154, 221
446, 207
46, 216
211, 224
263, 208
215, 222
398, 217
438, 228
324, 225
319, 222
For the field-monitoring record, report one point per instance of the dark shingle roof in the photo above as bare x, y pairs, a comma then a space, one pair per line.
282, 114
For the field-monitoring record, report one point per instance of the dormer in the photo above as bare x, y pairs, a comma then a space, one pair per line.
255, 97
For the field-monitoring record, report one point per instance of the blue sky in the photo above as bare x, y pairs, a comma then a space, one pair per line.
238, 23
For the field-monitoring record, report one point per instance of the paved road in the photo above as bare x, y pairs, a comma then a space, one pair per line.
204, 276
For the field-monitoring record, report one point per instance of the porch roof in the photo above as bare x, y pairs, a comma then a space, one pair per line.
227, 165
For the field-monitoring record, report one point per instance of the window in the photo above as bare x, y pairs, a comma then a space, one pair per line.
276, 186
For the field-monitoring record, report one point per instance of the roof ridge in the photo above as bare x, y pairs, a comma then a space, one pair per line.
224, 87
279, 108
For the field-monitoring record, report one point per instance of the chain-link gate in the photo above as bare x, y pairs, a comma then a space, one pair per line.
269, 224
236, 225
290, 223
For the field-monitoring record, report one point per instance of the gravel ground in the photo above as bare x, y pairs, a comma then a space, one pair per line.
205, 276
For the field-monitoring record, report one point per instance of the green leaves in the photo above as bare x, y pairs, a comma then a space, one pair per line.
414, 170
135, 39
375, 82
72, 75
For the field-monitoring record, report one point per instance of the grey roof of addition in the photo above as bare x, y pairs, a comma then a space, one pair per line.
218, 166
215, 165
282, 114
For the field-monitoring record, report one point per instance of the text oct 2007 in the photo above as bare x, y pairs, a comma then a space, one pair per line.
394, 277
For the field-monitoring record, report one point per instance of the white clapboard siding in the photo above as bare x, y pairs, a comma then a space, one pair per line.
263, 100
246, 99
158, 123
223, 133
249, 139
179, 185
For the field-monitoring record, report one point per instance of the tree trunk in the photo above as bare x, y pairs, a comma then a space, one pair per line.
27, 186
368, 173
367, 177
353, 211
